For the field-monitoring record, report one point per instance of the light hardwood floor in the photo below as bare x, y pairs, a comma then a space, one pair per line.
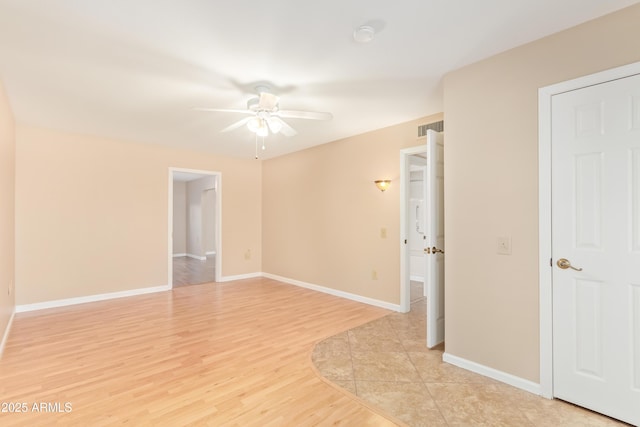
234, 353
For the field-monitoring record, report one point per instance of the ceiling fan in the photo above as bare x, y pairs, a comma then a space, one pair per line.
265, 115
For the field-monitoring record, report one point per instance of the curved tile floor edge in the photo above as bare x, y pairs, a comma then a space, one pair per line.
386, 364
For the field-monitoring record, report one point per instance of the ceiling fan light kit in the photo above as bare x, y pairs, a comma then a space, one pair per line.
262, 130
275, 126
254, 124
265, 115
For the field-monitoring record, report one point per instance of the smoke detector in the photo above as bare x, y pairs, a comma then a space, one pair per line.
364, 34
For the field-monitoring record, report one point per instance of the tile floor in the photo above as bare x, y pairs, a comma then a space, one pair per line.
386, 363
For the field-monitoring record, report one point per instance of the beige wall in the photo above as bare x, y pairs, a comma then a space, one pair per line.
92, 213
7, 242
491, 186
322, 214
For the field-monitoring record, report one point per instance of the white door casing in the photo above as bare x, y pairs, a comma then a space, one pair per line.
590, 319
406, 224
435, 238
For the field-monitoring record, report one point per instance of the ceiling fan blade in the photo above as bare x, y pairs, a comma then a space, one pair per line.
237, 124
314, 115
268, 101
285, 129
223, 110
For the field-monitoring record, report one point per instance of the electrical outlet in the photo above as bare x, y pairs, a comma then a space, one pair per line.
247, 254
503, 245
374, 275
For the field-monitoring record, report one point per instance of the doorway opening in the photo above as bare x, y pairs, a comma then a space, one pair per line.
416, 230
412, 224
194, 227
422, 233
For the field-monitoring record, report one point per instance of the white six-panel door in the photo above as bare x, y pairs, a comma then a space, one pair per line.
596, 229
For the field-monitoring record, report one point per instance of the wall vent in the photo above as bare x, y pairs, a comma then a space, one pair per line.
437, 126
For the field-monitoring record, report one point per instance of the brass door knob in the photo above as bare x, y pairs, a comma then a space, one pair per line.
564, 263
435, 250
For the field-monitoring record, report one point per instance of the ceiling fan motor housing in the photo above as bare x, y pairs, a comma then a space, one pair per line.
253, 103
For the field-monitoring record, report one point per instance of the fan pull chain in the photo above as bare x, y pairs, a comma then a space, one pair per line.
264, 146
256, 146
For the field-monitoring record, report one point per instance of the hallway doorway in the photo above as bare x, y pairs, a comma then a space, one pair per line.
428, 230
194, 227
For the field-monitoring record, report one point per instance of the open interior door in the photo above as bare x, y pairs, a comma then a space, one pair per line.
435, 238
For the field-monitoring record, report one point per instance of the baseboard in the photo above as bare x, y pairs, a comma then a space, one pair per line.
90, 298
198, 257
239, 277
512, 380
334, 292
416, 279
5, 336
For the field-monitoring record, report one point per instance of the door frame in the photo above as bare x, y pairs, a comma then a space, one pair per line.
217, 225
545, 95
405, 256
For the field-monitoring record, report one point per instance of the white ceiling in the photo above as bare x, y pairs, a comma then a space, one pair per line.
134, 69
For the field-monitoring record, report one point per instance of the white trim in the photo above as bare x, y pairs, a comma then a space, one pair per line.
218, 229
5, 336
545, 95
503, 377
218, 222
405, 174
544, 242
416, 279
238, 277
90, 298
201, 258
334, 292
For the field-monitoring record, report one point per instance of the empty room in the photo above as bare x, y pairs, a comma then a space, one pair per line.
414, 213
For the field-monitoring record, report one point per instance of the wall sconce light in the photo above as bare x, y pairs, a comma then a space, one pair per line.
382, 184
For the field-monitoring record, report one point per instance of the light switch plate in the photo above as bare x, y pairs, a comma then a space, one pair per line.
503, 245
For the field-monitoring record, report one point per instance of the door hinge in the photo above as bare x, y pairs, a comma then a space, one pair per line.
405, 241
550, 262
